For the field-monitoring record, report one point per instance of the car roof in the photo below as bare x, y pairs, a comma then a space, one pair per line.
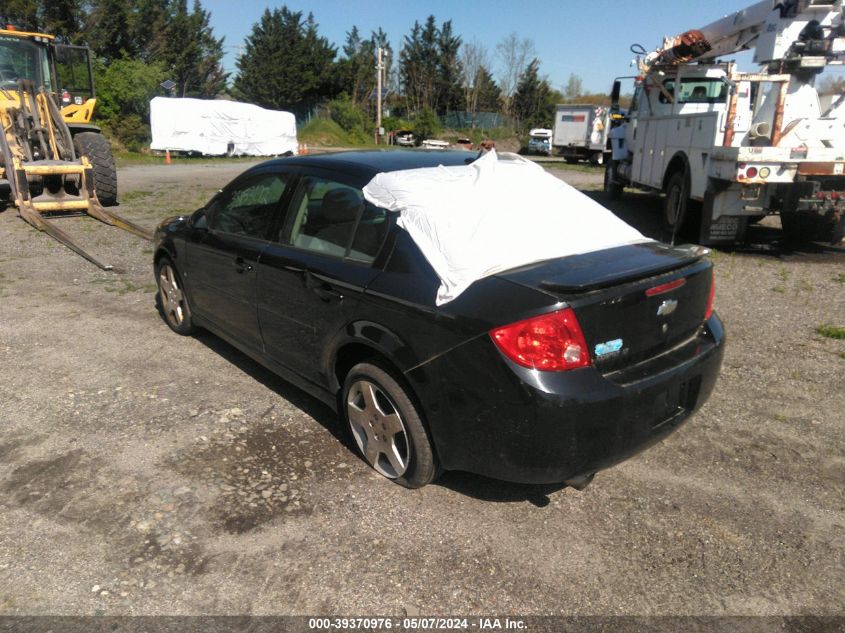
368, 163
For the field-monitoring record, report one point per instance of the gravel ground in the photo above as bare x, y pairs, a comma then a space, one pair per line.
144, 473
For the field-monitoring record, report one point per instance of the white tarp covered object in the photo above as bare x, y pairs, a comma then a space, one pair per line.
217, 127
495, 214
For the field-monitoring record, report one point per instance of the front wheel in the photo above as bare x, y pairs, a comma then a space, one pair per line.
387, 427
172, 300
612, 189
96, 148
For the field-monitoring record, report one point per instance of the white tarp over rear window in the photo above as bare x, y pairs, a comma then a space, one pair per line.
495, 214
216, 127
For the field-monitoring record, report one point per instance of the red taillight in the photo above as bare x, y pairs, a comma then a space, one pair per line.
820, 195
712, 295
834, 195
752, 172
549, 342
671, 285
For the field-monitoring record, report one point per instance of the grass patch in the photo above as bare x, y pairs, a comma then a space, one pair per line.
131, 196
831, 331
840, 278
564, 166
124, 159
319, 132
779, 289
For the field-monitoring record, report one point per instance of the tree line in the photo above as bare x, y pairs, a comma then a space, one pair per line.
285, 63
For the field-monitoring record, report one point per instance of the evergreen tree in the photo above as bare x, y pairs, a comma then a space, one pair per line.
107, 30
286, 63
61, 18
488, 93
190, 52
430, 69
449, 92
534, 100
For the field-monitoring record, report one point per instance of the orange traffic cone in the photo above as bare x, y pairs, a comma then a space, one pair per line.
167, 157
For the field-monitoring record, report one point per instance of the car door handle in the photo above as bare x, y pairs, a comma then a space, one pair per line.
322, 289
328, 294
241, 266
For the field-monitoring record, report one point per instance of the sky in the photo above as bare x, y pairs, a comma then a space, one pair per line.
590, 39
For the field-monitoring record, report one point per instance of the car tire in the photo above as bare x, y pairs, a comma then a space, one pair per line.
172, 300
98, 151
387, 427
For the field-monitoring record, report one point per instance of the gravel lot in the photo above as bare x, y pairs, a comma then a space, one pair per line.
144, 473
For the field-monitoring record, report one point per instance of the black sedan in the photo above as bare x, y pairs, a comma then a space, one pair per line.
543, 374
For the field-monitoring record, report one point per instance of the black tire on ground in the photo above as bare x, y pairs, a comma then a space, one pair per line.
597, 158
811, 227
172, 300
612, 189
96, 147
571, 160
384, 422
675, 206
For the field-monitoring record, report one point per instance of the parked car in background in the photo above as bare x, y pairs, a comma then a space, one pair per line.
434, 143
540, 141
405, 138
546, 373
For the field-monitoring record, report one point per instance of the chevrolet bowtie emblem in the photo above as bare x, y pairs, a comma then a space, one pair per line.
667, 307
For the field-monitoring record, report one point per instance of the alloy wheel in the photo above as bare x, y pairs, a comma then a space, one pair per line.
378, 428
172, 297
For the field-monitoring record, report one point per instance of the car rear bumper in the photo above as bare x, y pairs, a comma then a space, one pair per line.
516, 424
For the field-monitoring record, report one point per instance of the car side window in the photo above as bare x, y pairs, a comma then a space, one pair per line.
333, 218
249, 207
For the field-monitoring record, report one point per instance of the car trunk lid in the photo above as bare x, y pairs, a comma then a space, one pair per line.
632, 302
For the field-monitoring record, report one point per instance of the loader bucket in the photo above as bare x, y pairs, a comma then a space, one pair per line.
37, 148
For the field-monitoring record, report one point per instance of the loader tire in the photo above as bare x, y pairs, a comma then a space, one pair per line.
97, 149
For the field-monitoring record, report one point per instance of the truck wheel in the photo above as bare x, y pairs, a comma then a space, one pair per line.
570, 160
612, 189
96, 148
811, 227
597, 158
675, 204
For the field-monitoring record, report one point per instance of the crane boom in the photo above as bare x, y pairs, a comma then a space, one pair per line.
776, 30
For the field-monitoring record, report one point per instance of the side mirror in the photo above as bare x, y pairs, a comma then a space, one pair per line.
614, 96
199, 220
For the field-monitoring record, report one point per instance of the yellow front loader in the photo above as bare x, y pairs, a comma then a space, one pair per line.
53, 161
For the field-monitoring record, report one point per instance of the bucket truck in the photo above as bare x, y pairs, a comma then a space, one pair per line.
729, 147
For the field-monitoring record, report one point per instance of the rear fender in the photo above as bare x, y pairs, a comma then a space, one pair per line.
367, 335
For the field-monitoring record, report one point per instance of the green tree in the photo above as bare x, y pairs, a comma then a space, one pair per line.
190, 52
286, 64
489, 96
534, 100
125, 88
430, 68
107, 29
61, 18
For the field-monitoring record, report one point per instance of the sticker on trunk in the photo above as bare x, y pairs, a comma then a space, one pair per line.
609, 347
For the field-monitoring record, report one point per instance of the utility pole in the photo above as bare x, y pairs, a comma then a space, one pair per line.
379, 71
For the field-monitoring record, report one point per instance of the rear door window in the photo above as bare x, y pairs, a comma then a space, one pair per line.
332, 218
